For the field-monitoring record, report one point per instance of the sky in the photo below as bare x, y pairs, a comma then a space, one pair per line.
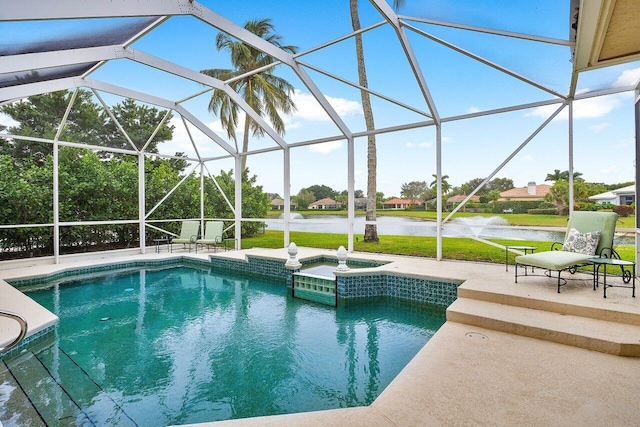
474, 148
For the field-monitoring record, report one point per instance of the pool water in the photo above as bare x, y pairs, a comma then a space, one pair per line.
183, 345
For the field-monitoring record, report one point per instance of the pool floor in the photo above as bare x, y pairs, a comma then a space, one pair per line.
183, 345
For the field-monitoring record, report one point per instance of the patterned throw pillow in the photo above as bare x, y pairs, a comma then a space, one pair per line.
583, 243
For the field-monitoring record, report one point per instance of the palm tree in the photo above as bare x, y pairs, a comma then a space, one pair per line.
555, 176
445, 184
370, 231
266, 93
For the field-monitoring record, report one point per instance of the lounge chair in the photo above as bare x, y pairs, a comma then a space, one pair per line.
212, 235
589, 234
188, 234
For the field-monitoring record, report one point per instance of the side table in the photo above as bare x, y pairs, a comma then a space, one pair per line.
525, 249
158, 242
227, 243
604, 262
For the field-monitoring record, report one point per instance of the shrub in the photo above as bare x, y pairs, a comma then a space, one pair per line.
623, 210
543, 211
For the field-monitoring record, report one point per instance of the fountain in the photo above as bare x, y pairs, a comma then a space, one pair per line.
292, 215
478, 223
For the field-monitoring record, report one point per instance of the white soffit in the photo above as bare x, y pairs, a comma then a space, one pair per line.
608, 33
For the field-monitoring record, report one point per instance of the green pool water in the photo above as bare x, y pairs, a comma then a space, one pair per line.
183, 345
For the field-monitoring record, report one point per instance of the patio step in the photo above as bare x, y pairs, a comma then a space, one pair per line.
596, 308
578, 331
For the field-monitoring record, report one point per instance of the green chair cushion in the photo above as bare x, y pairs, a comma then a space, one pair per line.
553, 260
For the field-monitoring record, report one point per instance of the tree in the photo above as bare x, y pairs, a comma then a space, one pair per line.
370, 230
445, 184
304, 198
499, 185
559, 194
41, 115
139, 122
414, 190
255, 202
322, 192
557, 175
266, 94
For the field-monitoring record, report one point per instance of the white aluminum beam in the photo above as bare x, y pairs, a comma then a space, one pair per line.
30, 89
507, 160
387, 12
511, 34
154, 100
486, 62
58, 58
195, 76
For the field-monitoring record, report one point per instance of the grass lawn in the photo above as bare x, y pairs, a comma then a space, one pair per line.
452, 248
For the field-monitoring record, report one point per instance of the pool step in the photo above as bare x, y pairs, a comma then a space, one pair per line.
578, 331
15, 408
47, 397
39, 384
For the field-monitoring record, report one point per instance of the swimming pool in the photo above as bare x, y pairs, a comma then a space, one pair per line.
183, 345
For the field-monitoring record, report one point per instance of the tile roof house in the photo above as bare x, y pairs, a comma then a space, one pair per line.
360, 203
401, 203
531, 192
325, 203
278, 204
620, 196
457, 199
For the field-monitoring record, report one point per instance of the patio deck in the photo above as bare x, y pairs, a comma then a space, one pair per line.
509, 354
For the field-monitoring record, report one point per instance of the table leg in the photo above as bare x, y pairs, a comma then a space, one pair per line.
506, 258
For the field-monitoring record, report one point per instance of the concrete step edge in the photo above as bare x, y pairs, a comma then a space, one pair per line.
592, 334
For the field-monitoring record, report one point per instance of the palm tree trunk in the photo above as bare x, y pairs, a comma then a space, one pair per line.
370, 231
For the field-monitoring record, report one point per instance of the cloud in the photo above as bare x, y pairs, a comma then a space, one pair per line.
609, 170
589, 108
527, 158
624, 143
326, 147
182, 142
628, 78
472, 110
426, 144
7, 121
309, 108
447, 139
599, 127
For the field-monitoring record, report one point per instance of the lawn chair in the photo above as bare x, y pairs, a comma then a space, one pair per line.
212, 235
589, 234
188, 234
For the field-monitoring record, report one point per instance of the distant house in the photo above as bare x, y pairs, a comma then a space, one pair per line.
325, 203
621, 196
401, 203
360, 203
453, 201
278, 205
530, 193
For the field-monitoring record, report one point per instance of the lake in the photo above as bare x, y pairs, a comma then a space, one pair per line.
484, 227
